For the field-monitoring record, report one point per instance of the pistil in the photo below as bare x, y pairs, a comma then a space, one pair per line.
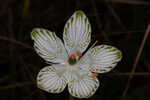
72, 59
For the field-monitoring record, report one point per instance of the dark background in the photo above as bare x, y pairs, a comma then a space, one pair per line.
120, 23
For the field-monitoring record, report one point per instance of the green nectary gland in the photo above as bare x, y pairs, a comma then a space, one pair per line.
72, 61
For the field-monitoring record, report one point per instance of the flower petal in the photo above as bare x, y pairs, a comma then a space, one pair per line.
77, 33
101, 58
48, 45
69, 76
84, 87
51, 79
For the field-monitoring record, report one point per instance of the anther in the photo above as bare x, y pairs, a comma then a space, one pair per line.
73, 56
95, 74
96, 41
79, 53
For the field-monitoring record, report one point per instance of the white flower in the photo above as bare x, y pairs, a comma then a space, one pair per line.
68, 66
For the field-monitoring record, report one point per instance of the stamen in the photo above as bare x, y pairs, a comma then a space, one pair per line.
95, 74
79, 53
93, 44
73, 56
96, 41
82, 58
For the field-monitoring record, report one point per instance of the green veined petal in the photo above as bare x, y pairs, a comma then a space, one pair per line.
48, 45
77, 33
48, 79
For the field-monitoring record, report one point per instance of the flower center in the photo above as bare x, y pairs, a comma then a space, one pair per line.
74, 58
